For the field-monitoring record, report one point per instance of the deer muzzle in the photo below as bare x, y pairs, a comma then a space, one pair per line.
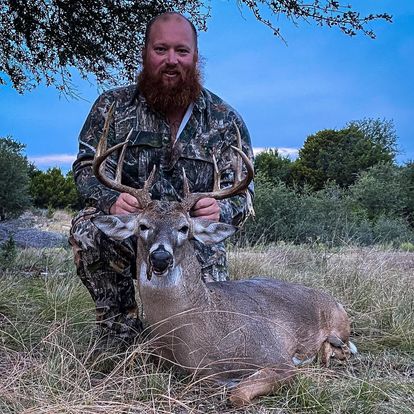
160, 260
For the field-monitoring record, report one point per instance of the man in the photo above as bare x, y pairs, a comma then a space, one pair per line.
176, 124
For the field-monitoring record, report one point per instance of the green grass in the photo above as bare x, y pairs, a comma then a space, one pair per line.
47, 340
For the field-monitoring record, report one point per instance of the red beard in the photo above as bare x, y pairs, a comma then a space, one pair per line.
162, 97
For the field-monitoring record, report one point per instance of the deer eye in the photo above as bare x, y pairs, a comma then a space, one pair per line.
183, 229
143, 227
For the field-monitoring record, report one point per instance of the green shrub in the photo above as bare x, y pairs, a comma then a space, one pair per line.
53, 190
378, 192
407, 247
14, 179
332, 216
8, 252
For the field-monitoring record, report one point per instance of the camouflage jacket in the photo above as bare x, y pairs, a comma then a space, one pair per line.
210, 130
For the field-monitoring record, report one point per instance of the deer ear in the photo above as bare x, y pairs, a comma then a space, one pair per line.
211, 232
116, 227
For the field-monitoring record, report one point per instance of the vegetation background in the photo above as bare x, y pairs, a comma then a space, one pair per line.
340, 218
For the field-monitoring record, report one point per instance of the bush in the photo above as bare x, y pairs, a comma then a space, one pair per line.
52, 190
274, 166
330, 216
8, 252
378, 192
392, 230
14, 179
283, 214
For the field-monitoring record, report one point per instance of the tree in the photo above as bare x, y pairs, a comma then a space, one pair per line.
51, 189
41, 41
275, 167
379, 131
14, 178
338, 156
407, 185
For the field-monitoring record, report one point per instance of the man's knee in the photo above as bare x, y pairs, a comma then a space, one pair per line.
84, 237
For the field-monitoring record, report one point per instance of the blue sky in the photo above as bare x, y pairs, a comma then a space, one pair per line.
320, 79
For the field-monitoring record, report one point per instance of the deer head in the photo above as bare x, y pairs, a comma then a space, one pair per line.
163, 228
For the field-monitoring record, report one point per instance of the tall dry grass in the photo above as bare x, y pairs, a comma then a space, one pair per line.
47, 342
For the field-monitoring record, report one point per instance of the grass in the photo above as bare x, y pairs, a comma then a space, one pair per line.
47, 340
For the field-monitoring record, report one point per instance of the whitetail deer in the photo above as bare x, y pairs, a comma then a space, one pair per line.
250, 332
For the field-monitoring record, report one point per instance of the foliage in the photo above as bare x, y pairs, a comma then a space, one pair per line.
407, 188
51, 189
378, 192
339, 156
8, 252
407, 247
275, 167
14, 178
380, 132
283, 214
43, 40
370, 212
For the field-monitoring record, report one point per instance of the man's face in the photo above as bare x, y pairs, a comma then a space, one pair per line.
171, 51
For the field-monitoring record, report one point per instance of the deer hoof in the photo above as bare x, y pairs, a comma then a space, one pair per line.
239, 398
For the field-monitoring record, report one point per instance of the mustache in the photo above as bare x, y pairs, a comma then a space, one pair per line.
161, 97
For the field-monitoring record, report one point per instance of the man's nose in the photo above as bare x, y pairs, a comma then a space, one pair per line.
172, 57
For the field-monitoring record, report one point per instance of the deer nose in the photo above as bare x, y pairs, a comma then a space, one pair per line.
160, 259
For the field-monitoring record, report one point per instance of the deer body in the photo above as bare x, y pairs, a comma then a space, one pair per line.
254, 331
242, 326
226, 331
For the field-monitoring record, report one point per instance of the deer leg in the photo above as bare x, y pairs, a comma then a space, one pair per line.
334, 347
263, 382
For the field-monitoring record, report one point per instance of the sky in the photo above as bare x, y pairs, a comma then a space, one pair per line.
319, 79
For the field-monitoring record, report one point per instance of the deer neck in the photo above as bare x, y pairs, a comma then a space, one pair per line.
180, 290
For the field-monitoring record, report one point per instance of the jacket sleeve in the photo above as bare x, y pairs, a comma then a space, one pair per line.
235, 210
92, 192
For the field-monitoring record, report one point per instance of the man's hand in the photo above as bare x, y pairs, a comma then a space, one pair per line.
125, 204
207, 208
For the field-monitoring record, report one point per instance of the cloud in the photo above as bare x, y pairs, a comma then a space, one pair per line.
283, 151
55, 160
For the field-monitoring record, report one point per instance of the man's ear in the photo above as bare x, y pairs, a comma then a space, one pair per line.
211, 232
116, 227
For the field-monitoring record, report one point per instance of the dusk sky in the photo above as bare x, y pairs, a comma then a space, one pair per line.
320, 79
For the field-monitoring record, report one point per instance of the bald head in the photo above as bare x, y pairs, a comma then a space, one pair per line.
166, 17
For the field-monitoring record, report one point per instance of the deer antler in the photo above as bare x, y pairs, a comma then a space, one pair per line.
239, 185
102, 153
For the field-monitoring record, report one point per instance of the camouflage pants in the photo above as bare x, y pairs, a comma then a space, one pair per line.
107, 268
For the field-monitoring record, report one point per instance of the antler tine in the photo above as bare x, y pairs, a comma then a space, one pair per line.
217, 175
238, 162
102, 153
239, 185
186, 187
118, 176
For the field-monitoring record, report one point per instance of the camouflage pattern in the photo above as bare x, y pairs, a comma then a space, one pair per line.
210, 130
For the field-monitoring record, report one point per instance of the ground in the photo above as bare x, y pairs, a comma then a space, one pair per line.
47, 338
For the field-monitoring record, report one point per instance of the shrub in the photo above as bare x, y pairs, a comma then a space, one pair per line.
8, 252
378, 192
14, 179
52, 190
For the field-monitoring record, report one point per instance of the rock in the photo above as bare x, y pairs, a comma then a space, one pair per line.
26, 234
